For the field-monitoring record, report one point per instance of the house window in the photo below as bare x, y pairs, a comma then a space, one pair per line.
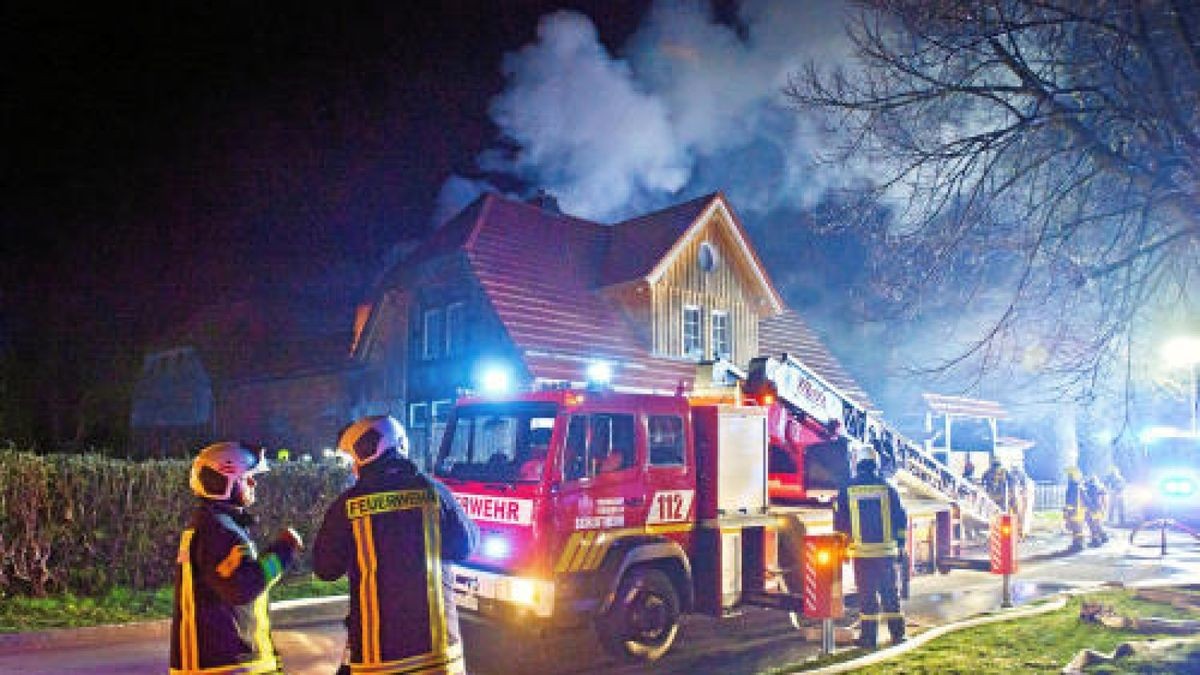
455, 329
693, 343
418, 415
434, 334
721, 344
437, 426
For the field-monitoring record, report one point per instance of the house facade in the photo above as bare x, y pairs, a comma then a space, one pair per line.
507, 287
523, 290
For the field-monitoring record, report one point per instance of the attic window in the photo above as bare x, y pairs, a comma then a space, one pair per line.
707, 257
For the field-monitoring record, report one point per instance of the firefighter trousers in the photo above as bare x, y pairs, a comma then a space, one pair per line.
875, 579
1073, 520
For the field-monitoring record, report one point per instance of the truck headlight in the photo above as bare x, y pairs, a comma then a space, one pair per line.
495, 547
1177, 487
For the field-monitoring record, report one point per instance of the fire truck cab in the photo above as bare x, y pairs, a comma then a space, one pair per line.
625, 510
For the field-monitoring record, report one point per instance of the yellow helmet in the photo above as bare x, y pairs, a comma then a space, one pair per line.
1073, 473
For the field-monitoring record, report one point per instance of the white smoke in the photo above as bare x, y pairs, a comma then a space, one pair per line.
688, 105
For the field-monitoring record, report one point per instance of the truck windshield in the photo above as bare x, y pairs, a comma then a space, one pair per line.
498, 443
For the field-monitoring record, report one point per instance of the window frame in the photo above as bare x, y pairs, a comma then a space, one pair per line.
415, 422
455, 329
431, 344
726, 329
698, 351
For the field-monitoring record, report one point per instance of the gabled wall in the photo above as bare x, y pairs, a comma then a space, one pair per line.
730, 286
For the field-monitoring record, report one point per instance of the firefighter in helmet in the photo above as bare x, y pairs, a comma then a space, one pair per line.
219, 622
870, 515
1095, 505
394, 533
1073, 508
996, 482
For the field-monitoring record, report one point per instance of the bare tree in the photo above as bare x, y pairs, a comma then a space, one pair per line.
1040, 157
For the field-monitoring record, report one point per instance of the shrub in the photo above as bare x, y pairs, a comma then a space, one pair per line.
86, 523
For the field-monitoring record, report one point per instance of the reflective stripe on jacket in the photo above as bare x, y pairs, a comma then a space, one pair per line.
870, 514
383, 533
219, 625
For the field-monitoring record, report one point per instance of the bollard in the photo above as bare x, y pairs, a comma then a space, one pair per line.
1002, 546
823, 583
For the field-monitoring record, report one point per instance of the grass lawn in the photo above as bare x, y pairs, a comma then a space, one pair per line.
1039, 644
123, 605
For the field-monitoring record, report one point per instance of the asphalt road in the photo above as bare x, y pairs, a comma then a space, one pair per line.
747, 643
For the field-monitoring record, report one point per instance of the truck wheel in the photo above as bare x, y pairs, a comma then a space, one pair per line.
643, 621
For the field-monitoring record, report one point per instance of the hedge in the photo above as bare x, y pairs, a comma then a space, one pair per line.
86, 523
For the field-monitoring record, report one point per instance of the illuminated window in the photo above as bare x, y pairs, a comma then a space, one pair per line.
721, 343
693, 340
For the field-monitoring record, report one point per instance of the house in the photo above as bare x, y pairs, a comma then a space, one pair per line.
524, 290
506, 286
272, 370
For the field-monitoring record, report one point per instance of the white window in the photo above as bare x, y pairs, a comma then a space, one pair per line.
437, 423
693, 338
418, 415
433, 335
456, 333
722, 346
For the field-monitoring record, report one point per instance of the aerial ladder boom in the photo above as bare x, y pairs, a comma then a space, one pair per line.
916, 470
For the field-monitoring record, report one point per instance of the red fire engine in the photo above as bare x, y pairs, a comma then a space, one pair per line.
627, 510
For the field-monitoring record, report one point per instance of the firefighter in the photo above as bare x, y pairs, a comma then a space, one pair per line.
1073, 509
1095, 504
219, 623
996, 482
870, 515
394, 533
1115, 483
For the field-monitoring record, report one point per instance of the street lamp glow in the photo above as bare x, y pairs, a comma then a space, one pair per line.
1182, 351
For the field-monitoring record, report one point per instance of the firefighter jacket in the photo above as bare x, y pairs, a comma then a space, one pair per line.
1095, 497
219, 625
871, 516
394, 533
996, 482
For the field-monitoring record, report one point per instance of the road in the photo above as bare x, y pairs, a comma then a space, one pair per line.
747, 643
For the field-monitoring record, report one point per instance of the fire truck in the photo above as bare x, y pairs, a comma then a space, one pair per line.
626, 510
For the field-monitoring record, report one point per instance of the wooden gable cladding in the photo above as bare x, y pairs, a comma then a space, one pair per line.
733, 285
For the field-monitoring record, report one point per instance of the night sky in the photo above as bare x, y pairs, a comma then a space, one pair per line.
160, 155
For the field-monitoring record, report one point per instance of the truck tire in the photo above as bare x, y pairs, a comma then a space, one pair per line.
643, 620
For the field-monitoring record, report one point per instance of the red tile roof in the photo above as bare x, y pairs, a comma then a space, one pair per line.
787, 333
640, 243
542, 272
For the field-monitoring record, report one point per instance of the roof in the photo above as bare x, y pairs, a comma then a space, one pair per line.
787, 333
540, 271
638, 244
543, 273
269, 336
964, 407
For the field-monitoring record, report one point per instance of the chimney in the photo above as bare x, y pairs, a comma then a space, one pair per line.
544, 201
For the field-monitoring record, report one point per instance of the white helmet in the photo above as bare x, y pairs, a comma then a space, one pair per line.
371, 437
221, 466
864, 452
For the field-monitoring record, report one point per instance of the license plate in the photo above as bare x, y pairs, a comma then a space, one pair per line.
466, 601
